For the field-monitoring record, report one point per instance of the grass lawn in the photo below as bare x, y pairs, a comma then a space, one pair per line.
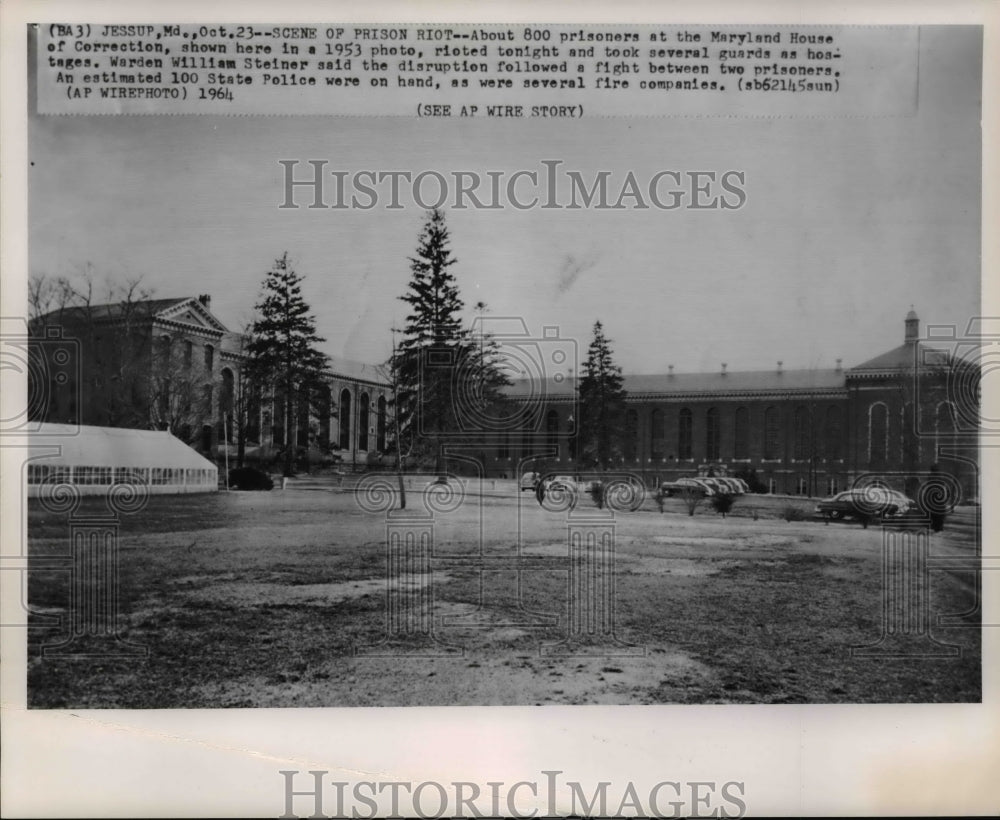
263, 599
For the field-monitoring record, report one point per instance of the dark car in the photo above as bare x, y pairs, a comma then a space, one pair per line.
865, 504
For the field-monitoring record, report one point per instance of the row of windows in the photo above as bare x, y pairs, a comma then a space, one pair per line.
105, 476
805, 443
166, 349
814, 433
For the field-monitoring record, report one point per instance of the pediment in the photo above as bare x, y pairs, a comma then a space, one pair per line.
194, 313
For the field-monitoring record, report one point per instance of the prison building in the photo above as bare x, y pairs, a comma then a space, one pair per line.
94, 459
801, 432
171, 364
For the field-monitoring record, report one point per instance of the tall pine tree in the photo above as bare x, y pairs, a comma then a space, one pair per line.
601, 403
446, 379
282, 352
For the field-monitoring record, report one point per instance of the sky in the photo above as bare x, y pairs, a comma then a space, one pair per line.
848, 222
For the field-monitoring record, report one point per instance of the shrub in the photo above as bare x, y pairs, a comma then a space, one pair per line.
792, 513
753, 482
692, 498
249, 478
596, 490
660, 498
722, 503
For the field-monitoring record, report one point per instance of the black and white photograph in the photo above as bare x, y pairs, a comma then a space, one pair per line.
555, 364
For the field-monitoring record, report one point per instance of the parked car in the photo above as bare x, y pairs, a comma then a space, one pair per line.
529, 481
672, 488
865, 503
562, 483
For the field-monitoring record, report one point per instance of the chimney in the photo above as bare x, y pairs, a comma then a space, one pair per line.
723, 368
780, 363
839, 368
206, 300
670, 370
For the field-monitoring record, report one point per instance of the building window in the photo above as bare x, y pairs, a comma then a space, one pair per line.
712, 434
345, 419
552, 432
209, 358
684, 429
324, 400
802, 450
657, 444
364, 406
878, 433
944, 426
631, 442
741, 434
909, 443
278, 420
188, 354
228, 395
503, 449
302, 418
772, 434
206, 399
380, 425
832, 434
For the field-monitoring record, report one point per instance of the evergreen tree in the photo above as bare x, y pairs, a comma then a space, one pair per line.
601, 403
283, 354
447, 381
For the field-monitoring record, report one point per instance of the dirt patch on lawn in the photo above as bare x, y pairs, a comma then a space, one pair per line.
277, 593
524, 679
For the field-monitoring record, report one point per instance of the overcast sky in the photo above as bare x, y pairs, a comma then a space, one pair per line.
847, 222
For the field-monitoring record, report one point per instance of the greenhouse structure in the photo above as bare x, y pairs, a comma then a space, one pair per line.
93, 459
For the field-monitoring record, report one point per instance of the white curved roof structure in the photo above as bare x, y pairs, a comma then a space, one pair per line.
95, 458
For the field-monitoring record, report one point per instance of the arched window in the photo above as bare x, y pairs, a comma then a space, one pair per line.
503, 448
712, 434
684, 429
552, 431
878, 433
909, 442
772, 434
741, 434
324, 402
226, 400
345, 419
302, 408
164, 349
209, 358
228, 391
802, 449
631, 442
363, 421
380, 425
657, 440
832, 434
278, 420
944, 427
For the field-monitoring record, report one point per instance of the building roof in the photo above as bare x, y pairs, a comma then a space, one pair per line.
113, 310
65, 444
747, 382
903, 358
360, 371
